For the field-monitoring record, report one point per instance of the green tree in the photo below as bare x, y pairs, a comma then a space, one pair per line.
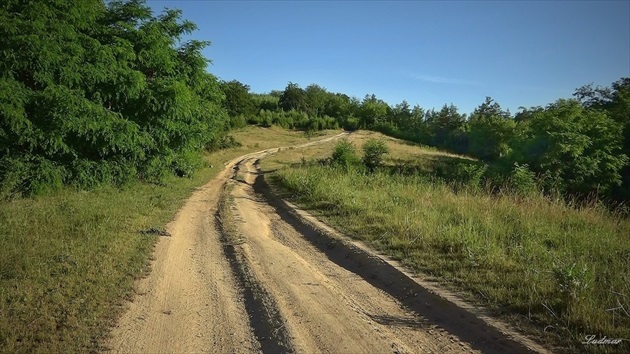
490, 131
100, 94
577, 145
265, 101
372, 110
447, 128
315, 100
337, 105
345, 154
238, 101
401, 117
615, 101
525, 114
293, 97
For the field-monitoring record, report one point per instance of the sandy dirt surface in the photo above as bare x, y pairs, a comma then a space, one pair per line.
244, 271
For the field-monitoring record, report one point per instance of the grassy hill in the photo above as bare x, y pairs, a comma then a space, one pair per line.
536, 260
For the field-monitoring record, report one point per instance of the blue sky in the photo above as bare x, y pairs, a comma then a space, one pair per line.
426, 52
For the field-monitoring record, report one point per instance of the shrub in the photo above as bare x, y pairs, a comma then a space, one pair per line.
345, 155
238, 122
351, 124
228, 141
30, 175
373, 151
462, 172
186, 163
107, 94
523, 180
582, 147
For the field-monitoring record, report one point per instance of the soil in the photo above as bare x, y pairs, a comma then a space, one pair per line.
261, 275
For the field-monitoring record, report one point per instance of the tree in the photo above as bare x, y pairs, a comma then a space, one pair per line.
265, 101
293, 97
615, 101
337, 105
490, 131
446, 128
401, 116
100, 94
345, 154
577, 145
315, 99
525, 114
593, 97
372, 110
237, 101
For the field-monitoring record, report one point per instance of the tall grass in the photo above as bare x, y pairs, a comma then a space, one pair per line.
564, 269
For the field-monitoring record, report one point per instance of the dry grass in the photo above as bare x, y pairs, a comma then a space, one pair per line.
538, 262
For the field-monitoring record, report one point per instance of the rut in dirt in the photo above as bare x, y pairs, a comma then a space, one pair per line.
334, 297
247, 272
264, 318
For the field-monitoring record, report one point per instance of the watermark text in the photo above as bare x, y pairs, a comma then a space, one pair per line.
591, 339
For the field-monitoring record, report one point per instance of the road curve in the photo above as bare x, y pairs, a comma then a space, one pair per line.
244, 271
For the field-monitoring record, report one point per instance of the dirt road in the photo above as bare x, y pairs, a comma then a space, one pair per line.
246, 272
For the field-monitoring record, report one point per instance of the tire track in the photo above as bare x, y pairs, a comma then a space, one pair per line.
245, 271
264, 319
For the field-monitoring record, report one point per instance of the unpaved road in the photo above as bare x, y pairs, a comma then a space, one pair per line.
242, 272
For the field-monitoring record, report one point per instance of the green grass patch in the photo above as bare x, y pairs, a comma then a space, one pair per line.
539, 261
69, 259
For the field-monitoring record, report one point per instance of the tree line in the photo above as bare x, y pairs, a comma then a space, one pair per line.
577, 146
94, 92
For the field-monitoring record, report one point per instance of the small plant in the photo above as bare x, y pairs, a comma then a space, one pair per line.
345, 154
186, 163
571, 279
373, 151
523, 180
471, 174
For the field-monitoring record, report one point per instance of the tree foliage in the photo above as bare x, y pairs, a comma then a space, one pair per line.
580, 146
614, 101
238, 103
293, 98
490, 131
92, 93
373, 111
447, 128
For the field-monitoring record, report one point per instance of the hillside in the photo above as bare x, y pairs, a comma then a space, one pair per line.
545, 264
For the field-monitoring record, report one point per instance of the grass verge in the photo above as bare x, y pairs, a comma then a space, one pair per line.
69, 259
537, 261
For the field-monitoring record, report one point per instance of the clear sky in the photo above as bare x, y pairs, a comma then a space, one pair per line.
429, 53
